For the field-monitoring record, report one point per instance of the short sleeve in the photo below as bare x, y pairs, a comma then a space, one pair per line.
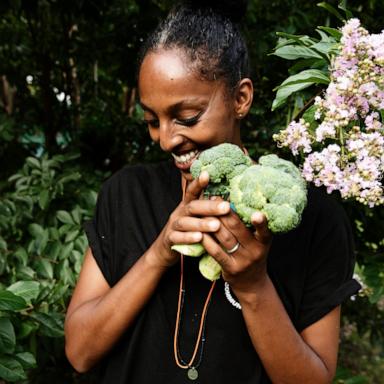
330, 265
99, 232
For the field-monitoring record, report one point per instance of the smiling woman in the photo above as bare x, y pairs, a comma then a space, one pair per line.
186, 113
157, 320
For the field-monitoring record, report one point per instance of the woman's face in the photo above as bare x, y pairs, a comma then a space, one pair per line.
185, 114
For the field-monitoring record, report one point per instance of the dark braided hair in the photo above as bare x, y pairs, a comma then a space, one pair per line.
210, 37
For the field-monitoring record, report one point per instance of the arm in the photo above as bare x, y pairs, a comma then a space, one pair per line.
288, 357
97, 309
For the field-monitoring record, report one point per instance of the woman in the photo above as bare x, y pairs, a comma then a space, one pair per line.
142, 312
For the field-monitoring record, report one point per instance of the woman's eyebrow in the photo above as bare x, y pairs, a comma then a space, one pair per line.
187, 103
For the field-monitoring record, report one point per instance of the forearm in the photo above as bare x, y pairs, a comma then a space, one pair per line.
287, 358
94, 327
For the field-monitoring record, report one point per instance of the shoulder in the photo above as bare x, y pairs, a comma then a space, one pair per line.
141, 177
131, 174
323, 209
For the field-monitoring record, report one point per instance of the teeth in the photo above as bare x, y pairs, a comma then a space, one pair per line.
186, 157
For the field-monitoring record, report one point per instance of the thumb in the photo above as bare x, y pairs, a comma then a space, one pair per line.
260, 223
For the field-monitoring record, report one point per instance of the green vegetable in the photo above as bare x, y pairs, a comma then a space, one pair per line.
274, 187
222, 162
189, 249
209, 267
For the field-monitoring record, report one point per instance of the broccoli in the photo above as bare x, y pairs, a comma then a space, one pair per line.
274, 187
222, 162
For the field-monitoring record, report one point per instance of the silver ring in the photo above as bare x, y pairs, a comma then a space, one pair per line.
233, 249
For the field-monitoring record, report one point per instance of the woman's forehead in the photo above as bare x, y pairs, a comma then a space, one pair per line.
165, 74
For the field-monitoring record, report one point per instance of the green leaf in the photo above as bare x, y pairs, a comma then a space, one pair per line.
11, 370
26, 359
300, 39
65, 217
36, 230
3, 244
41, 242
343, 6
33, 162
76, 214
332, 31
26, 328
293, 52
70, 236
66, 251
332, 10
54, 250
23, 272
43, 199
324, 47
44, 268
11, 302
7, 336
51, 324
21, 255
65, 273
28, 290
284, 92
309, 75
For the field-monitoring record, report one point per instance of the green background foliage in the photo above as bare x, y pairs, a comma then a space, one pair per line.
69, 118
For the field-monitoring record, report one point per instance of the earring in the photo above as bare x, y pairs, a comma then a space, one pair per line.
240, 115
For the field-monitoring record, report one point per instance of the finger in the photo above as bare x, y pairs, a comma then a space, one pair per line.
195, 187
195, 224
232, 223
177, 237
216, 251
207, 208
225, 237
260, 223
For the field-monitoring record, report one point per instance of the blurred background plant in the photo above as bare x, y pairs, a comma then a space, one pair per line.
69, 118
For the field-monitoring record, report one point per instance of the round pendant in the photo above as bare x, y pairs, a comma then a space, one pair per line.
192, 373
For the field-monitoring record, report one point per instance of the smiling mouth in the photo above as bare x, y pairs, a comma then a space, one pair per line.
184, 161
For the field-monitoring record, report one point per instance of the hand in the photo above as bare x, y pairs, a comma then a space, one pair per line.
247, 266
188, 222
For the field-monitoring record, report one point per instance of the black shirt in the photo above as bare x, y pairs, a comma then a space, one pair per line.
311, 268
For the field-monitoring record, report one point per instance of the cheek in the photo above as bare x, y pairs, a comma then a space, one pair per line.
154, 134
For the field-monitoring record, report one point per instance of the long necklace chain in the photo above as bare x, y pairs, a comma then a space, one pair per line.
192, 371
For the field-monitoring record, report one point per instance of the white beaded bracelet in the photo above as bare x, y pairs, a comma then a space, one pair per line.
229, 296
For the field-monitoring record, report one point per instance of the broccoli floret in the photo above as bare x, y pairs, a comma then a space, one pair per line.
274, 187
222, 162
209, 267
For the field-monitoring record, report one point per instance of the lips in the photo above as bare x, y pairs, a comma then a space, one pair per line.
185, 160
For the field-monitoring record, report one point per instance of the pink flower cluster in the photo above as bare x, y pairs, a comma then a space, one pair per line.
349, 134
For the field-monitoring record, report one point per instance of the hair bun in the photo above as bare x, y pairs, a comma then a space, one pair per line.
234, 10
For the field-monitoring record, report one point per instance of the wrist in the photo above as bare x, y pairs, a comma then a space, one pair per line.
159, 257
254, 294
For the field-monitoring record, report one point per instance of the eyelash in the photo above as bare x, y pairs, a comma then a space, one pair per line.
186, 122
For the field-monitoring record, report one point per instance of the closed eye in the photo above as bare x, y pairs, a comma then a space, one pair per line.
190, 121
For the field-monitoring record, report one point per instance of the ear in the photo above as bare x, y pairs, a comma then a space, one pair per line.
243, 97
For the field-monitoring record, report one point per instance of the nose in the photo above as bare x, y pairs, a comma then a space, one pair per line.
169, 136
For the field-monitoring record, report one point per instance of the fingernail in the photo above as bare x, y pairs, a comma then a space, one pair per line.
224, 206
257, 217
213, 225
232, 207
